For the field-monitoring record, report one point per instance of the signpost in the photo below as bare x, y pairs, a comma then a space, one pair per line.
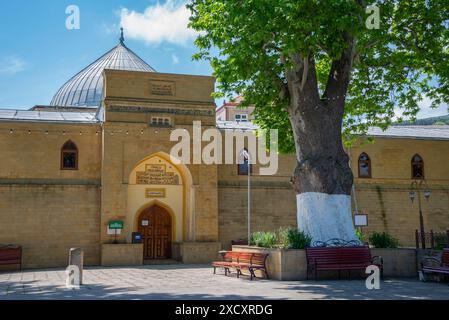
360, 220
115, 225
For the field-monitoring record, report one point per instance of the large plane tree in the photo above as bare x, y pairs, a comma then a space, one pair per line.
322, 71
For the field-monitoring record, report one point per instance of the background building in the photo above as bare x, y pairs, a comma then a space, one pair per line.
232, 111
99, 153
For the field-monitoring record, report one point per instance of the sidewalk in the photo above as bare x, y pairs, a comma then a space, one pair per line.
198, 282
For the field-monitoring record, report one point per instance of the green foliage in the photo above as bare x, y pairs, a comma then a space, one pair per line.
360, 235
383, 240
292, 238
284, 238
440, 241
263, 239
252, 45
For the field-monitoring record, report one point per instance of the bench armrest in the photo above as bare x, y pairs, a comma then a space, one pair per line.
379, 259
428, 259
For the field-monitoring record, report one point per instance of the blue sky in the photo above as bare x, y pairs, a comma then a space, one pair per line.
38, 54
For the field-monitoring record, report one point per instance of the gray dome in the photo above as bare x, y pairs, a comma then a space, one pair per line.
86, 88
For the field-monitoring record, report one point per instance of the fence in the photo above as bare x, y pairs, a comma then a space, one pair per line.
433, 240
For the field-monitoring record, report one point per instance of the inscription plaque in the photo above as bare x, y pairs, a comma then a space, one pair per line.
156, 174
154, 193
162, 88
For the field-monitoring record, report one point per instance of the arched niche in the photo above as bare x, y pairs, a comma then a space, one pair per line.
155, 179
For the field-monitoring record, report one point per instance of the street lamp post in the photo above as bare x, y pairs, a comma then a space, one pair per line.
246, 155
416, 188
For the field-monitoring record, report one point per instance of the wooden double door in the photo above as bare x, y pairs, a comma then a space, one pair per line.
155, 226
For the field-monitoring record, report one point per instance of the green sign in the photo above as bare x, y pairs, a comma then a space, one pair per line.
115, 225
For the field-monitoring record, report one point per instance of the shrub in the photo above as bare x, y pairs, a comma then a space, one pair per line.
292, 238
263, 239
440, 241
360, 235
286, 238
383, 240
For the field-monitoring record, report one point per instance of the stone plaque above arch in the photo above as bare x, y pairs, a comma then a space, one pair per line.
157, 174
156, 171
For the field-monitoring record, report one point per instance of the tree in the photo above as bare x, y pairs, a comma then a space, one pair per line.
324, 67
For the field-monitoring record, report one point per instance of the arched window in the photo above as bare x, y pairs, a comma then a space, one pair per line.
417, 167
69, 156
364, 166
243, 164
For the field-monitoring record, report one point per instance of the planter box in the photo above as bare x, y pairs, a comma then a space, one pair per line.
282, 264
122, 254
398, 263
291, 264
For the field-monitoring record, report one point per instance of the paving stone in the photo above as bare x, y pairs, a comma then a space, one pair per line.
198, 282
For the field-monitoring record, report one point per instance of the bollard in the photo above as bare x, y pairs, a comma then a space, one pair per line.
76, 257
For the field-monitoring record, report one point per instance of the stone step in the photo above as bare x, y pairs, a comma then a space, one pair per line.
160, 261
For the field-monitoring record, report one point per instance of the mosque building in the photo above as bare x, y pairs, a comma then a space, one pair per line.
97, 158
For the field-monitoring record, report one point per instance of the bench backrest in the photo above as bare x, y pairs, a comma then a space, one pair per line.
259, 259
245, 257
8, 254
253, 258
338, 255
445, 258
230, 256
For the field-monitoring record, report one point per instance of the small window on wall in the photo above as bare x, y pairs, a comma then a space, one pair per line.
69, 156
417, 167
243, 165
241, 117
160, 121
364, 166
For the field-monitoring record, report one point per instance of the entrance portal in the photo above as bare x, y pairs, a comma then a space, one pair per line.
155, 225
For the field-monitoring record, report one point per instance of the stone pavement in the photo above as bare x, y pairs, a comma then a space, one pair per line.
198, 282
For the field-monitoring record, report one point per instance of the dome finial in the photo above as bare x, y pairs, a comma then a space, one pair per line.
122, 38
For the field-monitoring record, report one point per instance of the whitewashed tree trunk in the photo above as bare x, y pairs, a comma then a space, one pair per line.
325, 217
322, 178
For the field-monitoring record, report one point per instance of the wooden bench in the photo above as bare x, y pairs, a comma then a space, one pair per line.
437, 266
341, 258
10, 255
239, 261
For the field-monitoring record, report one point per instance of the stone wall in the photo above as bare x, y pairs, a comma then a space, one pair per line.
273, 201
121, 254
32, 153
44, 209
197, 252
271, 208
385, 196
48, 220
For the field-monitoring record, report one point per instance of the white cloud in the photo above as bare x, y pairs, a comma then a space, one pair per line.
159, 23
425, 110
174, 59
11, 65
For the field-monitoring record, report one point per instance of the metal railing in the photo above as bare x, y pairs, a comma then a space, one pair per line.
432, 240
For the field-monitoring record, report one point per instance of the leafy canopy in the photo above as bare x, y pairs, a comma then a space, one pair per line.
249, 44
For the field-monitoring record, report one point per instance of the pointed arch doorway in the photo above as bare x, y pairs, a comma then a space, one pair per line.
155, 226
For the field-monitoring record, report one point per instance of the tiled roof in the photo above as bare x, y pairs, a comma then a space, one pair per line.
440, 132
236, 125
436, 132
50, 116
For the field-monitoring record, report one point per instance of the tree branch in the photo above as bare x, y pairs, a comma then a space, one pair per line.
340, 73
302, 79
